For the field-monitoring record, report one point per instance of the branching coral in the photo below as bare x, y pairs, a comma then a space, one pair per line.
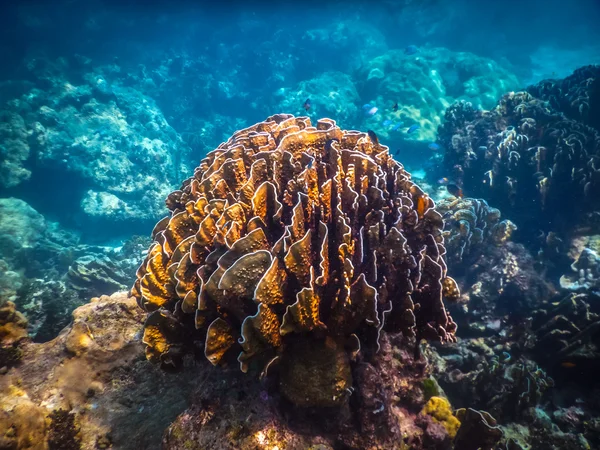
292, 244
526, 158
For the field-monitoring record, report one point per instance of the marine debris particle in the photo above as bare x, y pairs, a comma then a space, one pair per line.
290, 242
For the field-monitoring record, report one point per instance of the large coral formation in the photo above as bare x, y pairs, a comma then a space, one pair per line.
526, 158
291, 238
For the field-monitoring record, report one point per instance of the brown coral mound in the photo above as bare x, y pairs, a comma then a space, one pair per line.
291, 239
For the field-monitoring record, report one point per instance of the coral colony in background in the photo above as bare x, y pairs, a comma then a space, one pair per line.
431, 281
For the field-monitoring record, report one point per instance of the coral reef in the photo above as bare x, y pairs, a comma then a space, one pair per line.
527, 159
470, 226
90, 387
109, 138
63, 432
577, 96
294, 245
567, 332
332, 94
47, 272
426, 84
585, 273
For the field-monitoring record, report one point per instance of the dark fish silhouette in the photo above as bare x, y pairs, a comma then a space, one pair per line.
411, 50
395, 107
373, 137
454, 190
307, 104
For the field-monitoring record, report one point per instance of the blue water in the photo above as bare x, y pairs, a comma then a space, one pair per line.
106, 107
211, 70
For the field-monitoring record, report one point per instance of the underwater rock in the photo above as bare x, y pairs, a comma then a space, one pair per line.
289, 232
332, 94
48, 273
111, 141
21, 225
232, 411
92, 274
90, 384
527, 159
424, 85
586, 272
14, 149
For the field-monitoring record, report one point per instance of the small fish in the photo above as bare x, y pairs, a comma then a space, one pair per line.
373, 137
397, 126
307, 104
568, 364
411, 50
387, 123
443, 181
395, 107
482, 148
397, 152
555, 303
367, 106
433, 146
413, 128
454, 190
422, 204
372, 111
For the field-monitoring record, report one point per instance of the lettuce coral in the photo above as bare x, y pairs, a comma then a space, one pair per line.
291, 242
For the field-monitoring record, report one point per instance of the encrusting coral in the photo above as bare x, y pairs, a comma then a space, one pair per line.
440, 410
293, 243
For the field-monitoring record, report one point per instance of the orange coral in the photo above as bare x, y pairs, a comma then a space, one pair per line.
13, 325
289, 232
